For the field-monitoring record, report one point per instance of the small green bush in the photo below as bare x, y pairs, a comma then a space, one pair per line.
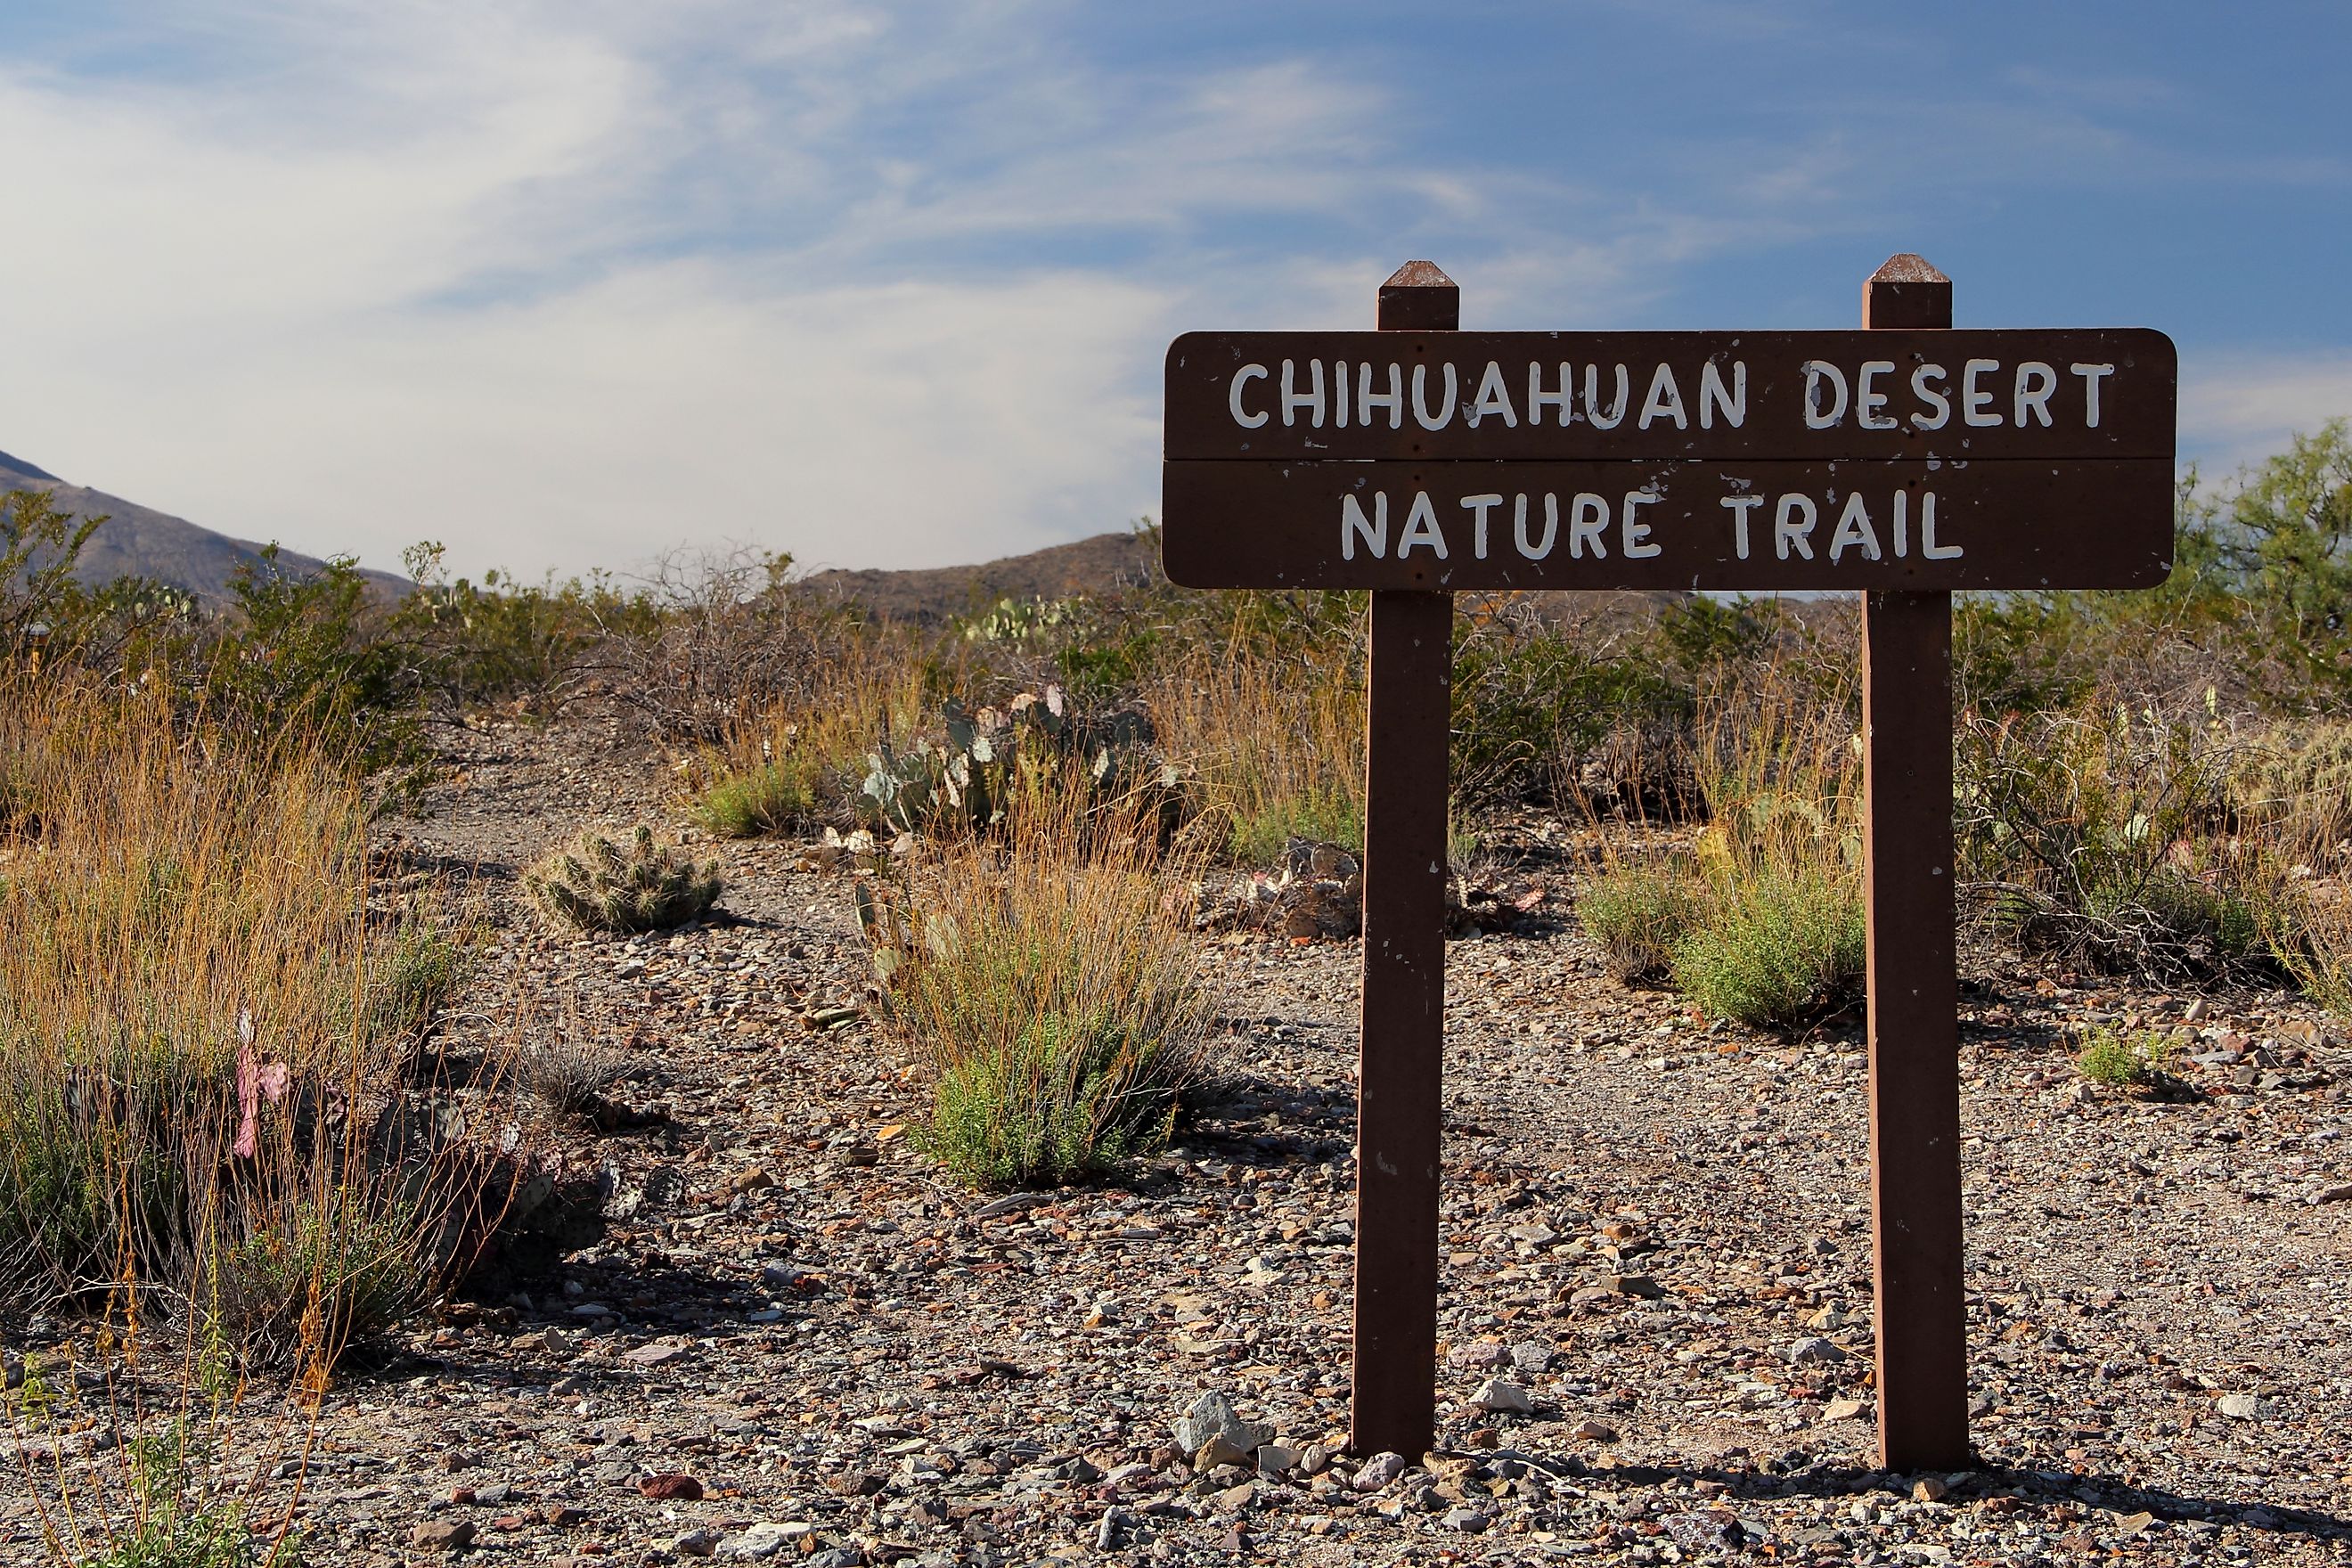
2120, 1062
180, 1518
1779, 947
1637, 915
596, 886
1259, 836
1051, 984
775, 797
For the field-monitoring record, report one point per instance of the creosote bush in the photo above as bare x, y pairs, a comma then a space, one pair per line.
1047, 977
595, 885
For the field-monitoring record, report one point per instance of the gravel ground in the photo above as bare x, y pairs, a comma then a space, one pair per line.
796, 1340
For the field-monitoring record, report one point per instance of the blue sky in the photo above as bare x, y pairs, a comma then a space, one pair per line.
565, 284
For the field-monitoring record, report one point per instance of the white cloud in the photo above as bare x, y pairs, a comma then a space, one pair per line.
2237, 409
563, 282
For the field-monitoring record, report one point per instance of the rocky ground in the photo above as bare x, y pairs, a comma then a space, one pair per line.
794, 1339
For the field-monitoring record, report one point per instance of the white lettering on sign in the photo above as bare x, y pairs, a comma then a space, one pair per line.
2090, 374
1593, 401
1294, 400
1393, 399
1665, 402
1740, 506
1242, 378
1821, 374
1421, 528
1863, 528
1876, 394
1714, 398
1491, 399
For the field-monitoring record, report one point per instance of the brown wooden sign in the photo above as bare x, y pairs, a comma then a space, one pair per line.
1726, 460
1905, 461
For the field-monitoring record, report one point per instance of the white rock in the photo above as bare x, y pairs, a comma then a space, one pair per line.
1379, 1471
1500, 1399
1209, 1434
1814, 1351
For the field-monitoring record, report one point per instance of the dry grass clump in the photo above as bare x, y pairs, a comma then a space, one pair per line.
1638, 914
799, 763
1277, 745
595, 885
1047, 975
202, 1109
1762, 924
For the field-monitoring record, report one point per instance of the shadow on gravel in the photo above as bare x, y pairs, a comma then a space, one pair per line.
2034, 1488
1247, 1119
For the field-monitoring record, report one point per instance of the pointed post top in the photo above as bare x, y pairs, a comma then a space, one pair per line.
1907, 266
1419, 298
1906, 292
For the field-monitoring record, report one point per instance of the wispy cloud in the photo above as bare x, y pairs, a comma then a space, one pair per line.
565, 281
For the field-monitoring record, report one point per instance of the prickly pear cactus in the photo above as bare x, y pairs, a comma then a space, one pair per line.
595, 885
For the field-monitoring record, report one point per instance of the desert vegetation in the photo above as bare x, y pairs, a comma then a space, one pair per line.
228, 1141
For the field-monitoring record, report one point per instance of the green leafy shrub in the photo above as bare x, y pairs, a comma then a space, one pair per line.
595, 885
1637, 915
1779, 947
1050, 982
1532, 698
2109, 1057
775, 797
181, 1515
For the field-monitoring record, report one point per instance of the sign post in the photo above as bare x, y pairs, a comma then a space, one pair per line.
1905, 461
1912, 1023
1400, 1065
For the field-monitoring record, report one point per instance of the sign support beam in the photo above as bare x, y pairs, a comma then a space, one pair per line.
1399, 1113
1913, 989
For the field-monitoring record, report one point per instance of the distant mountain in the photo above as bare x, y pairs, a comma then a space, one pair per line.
140, 541
1108, 562
1102, 565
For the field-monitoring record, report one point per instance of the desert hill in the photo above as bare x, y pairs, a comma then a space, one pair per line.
140, 541
1106, 563
1102, 565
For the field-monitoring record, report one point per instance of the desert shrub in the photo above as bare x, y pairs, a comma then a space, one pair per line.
201, 1116
1533, 697
501, 640
1781, 945
773, 797
307, 660
596, 884
711, 639
2117, 1061
40, 603
181, 1512
1637, 915
1049, 980
2098, 835
2282, 540
1273, 743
